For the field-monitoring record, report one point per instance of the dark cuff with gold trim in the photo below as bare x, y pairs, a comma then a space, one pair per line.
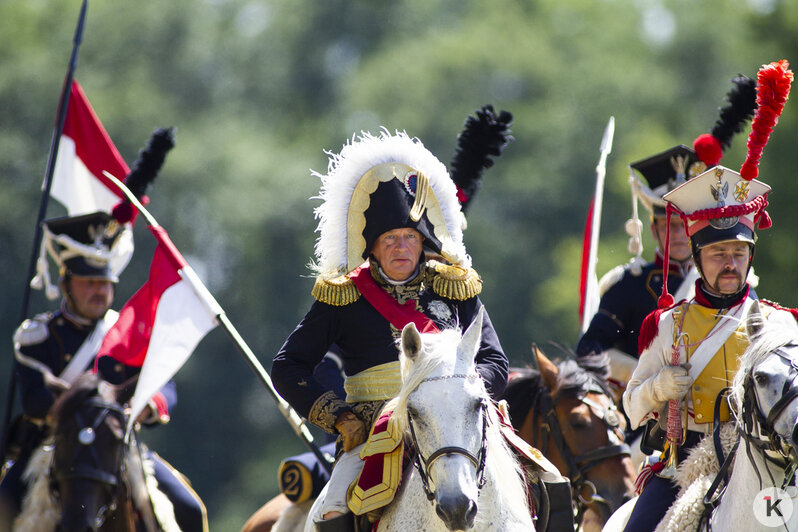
326, 410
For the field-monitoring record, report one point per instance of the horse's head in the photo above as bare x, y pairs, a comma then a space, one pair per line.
765, 388
88, 427
445, 408
571, 417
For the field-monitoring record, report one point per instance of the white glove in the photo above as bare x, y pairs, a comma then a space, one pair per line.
672, 382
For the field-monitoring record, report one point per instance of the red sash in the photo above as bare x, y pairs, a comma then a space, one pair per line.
390, 309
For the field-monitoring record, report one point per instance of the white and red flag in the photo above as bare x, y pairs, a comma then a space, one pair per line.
161, 325
84, 151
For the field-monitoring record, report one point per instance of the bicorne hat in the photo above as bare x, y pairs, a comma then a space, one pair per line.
380, 183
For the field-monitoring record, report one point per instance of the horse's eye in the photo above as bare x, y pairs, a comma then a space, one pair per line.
761, 379
578, 422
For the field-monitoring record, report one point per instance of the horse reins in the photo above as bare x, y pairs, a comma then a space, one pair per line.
425, 464
579, 465
753, 418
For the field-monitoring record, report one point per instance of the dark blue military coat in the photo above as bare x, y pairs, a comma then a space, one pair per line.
53, 339
366, 339
624, 306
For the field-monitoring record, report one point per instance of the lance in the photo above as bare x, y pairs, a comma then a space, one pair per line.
63, 105
299, 425
591, 297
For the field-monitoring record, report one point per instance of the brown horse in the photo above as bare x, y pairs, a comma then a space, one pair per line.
89, 478
567, 412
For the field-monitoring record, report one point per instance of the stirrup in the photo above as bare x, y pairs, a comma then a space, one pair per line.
342, 523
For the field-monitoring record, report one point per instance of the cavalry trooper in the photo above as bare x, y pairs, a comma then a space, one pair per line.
53, 349
629, 292
690, 351
387, 202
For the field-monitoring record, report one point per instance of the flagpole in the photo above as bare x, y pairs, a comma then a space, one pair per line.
299, 425
591, 291
63, 105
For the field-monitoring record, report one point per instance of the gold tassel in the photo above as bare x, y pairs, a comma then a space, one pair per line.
337, 292
453, 282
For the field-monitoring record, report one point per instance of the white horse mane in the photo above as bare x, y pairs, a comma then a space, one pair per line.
436, 351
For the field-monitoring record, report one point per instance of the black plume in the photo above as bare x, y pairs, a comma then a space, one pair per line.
150, 160
741, 108
483, 136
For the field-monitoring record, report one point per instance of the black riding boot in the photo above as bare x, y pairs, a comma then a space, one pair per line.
342, 523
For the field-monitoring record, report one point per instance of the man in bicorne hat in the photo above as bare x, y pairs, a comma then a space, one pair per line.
387, 201
53, 349
629, 292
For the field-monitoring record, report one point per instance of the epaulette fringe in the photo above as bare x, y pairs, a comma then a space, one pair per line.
453, 282
338, 292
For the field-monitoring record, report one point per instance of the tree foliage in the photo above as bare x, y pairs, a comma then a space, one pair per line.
259, 88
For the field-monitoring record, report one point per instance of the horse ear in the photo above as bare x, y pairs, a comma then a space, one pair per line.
473, 334
411, 341
753, 321
548, 370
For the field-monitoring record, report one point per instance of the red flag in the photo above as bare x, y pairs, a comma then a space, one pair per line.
161, 325
584, 274
84, 151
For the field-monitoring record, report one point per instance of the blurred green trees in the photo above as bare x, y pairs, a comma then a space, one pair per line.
259, 88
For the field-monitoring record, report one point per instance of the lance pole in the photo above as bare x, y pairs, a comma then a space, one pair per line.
63, 105
591, 291
299, 425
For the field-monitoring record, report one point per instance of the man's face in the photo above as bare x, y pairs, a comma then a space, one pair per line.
398, 252
90, 298
679, 249
725, 265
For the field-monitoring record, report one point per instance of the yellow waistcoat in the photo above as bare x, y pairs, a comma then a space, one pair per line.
696, 322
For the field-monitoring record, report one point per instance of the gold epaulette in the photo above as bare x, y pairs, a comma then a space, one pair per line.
338, 292
454, 282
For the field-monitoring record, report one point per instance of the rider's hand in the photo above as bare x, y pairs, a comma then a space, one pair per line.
672, 382
351, 429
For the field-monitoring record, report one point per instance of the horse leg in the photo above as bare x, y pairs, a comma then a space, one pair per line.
263, 520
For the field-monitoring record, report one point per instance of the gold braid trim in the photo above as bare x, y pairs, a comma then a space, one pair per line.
337, 292
454, 282
325, 411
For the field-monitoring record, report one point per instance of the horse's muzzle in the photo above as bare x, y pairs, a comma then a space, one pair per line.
457, 512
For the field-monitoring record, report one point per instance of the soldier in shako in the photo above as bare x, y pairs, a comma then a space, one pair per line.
53, 349
630, 292
387, 202
721, 209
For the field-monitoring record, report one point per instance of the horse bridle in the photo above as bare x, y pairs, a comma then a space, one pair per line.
752, 415
425, 464
752, 418
579, 465
86, 438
